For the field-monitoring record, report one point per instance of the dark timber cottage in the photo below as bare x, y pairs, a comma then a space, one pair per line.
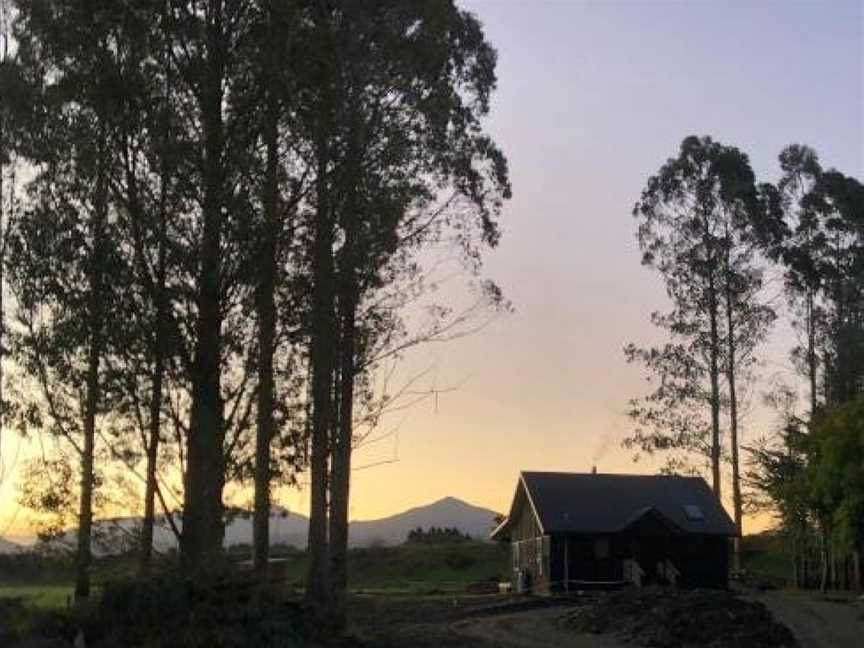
571, 531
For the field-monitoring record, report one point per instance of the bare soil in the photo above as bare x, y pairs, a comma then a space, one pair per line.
431, 624
671, 618
531, 629
657, 618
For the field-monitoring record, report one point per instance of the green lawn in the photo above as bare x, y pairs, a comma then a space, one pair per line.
45, 596
407, 570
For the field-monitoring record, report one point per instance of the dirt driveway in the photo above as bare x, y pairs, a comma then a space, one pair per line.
816, 622
530, 629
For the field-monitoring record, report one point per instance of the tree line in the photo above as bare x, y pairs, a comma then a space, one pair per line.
437, 535
219, 220
732, 252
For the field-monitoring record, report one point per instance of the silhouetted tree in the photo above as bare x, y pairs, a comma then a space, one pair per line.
404, 123
64, 247
699, 224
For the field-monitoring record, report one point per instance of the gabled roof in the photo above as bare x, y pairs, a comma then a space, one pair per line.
608, 503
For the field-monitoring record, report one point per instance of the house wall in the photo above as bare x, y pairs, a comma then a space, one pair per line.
581, 558
703, 561
530, 550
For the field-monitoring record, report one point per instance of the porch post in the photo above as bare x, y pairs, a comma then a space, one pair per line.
566, 563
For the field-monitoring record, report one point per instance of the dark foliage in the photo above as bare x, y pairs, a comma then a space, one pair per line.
172, 612
437, 535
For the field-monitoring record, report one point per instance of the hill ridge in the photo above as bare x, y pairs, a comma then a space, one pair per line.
292, 528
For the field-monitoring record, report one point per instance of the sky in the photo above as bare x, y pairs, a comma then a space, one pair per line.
592, 98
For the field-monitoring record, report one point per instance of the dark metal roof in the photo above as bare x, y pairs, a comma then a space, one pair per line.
602, 503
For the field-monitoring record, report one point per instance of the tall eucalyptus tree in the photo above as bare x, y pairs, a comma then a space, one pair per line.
700, 221
400, 126
66, 266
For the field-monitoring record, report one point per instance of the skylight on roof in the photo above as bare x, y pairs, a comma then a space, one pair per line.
693, 512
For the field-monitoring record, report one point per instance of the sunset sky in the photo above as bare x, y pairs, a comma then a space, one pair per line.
592, 99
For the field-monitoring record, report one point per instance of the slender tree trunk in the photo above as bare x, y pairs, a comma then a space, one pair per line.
856, 569
3, 220
158, 371
94, 354
796, 574
322, 359
731, 379
714, 369
85, 512
156, 389
203, 528
152, 450
342, 447
823, 558
266, 307
341, 468
811, 351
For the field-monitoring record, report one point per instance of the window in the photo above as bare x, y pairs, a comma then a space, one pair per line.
515, 552
693, 513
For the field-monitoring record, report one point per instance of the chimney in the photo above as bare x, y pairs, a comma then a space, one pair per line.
594, 469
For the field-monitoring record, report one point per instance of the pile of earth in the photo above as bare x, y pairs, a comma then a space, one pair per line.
672, 618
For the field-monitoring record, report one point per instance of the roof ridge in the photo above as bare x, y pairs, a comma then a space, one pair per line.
602, 474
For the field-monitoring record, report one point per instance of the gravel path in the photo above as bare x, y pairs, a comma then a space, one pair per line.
816, 622
530, 629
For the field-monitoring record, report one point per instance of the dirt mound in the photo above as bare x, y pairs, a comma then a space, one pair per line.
669, 618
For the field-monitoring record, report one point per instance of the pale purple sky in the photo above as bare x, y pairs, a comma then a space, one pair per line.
592, 99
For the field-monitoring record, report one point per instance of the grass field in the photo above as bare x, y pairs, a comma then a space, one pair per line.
412, 569
409, 570
44, 596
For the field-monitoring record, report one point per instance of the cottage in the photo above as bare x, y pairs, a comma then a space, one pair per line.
572, 531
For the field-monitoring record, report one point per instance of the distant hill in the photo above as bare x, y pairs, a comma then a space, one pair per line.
448, 512
7, 547
292, 528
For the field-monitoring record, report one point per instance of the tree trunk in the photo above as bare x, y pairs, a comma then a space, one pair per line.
203, 527
342, 447
823, 559
714, 369
156, 387
152, 446
3, 154
731, 379
266, 306
811, 352
796, 574
856, 569
322, 342
94, 354
156, 383
341, 467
